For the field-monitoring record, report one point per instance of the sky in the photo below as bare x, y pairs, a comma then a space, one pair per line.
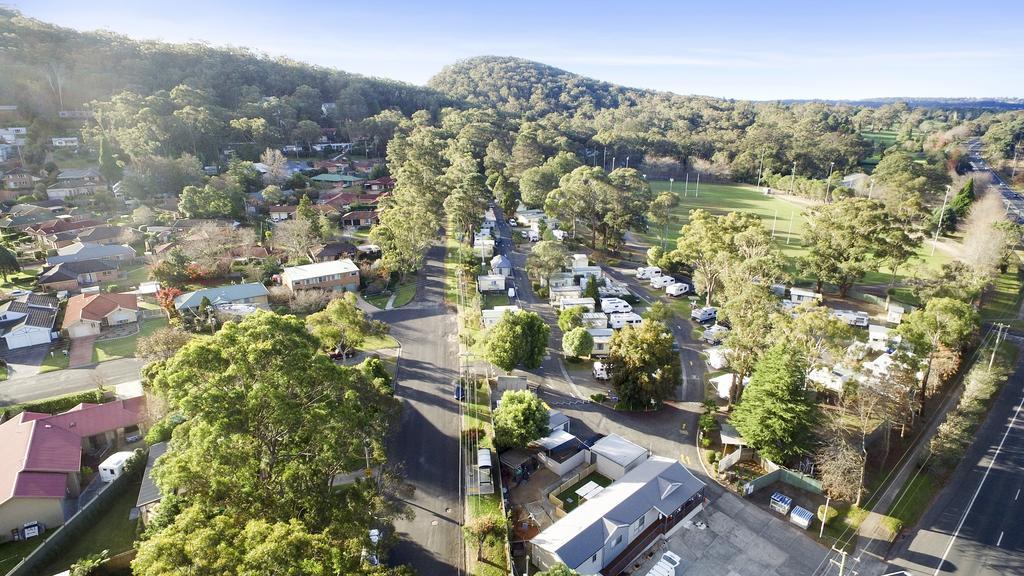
829, 49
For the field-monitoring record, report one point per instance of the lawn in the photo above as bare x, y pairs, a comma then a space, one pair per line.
493, 563
13, 552
914, 500
111, 531
20, 280
478, 413
55, 360
842, 530
405, 293
379, 343
380, 300
1003, 301
787, 217
125, 347
568, 496
492, 299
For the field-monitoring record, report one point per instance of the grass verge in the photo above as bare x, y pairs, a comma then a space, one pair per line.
55, 359
105, 350
13, 552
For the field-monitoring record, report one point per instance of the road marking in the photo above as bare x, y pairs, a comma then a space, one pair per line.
970, 505
1000, 541
1017, 496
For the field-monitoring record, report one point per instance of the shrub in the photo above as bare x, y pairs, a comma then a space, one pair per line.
706, 422
705, 442
709, 455
113, 288
894, 525
832, 513
61, 404
279, 295
599, 398
161, 430
718, 455
309, 301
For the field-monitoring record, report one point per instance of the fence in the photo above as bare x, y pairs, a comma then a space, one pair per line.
567, 481
741, 455
61, 538
777, 473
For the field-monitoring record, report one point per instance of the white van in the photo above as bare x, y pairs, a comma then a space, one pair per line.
621, 320
600, 370
615, 305
677, 289
705, 314
662, 281
533, 235
647, 272
511, 293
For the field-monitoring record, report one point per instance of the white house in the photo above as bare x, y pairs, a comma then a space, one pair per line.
801, 295
587, 303
586, 272
580, 260
28, 320
832, 378
490, 283
879, 337
493, 316
602, 341
333, 276
615, 456
853, 317
894, 314
556, 295
501, 265
88, 314
560, 452
561, 280
65, 142
656, 496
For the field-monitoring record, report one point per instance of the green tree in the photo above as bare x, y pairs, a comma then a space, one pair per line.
647, 368
590, 289
661, 213
307, 131
273, 195
843, 239
172, 270
8, 262
483, 528
518, 339
571, 317
908, 185
535, 184
90, 564
505, 196
342, 326
546, 258
526, 153
110, 168
707, 242
774, 415
750, 310
942, 322
520, 418
210, 202
577, 343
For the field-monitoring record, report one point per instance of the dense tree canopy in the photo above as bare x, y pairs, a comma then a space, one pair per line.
646, 367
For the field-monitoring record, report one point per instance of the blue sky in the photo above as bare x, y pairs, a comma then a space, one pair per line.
726, 48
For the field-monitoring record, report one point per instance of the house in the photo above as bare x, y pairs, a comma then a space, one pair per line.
73, 276
19, 180
894, 314
490, 283
149, 493
580, 260
88, 314
852, 317
832, 378
80, 251
561, 280
333, 276
615, 456
22, 216
254, 294
14, 135
586, 272
595, 320
879, 337
335, 251
42, 457
281, 213
494, 315
107, 235
246, 254
501, 265
28, 320
801, 295
359, 218
560, 452
587, 304
382, 184
607, 531
328, 180
857, 181
483, 246
76, 182
64, 142
556, 295
602, 341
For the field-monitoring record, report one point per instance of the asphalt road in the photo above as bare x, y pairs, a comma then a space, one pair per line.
426, 445
976, 526
1013, 201
68, 381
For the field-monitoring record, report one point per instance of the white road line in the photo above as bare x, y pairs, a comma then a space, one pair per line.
1000, 541
1017, 496
963, 519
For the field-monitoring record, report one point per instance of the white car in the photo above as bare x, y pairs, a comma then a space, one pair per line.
512, 222
662, 281
600, 371
648, 272
615, 305
677, 289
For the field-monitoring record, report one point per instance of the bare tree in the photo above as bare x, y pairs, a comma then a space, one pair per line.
984, 242
296, 238
840, 465
211, 245
277, 166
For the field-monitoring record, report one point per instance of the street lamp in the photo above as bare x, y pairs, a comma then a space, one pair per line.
627, 161
670, 181
613, 163
792, 186
760, 167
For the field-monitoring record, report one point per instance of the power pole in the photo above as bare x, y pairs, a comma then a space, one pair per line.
942, 212
760, 168
792, 184
686, 188
999, 332
828, 182
696, 192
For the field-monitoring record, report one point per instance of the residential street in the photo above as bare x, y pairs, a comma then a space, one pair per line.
69, 380
426, 446
975, 527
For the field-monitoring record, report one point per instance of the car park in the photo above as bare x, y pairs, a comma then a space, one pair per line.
706, 314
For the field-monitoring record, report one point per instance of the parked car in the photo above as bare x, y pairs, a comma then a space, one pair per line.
715, 334
601, 371
512, 222
705, 314
677, 289
662, 281
614, 305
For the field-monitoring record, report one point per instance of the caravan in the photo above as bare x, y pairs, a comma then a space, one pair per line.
615, 305
659, 282
677, 289
621, 320
705, 314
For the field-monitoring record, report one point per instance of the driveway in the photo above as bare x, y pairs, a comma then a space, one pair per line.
24, 362
81, 351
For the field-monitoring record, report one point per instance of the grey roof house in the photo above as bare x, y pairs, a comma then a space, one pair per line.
607, 531
28, 320
80, 251
253, 293
149, 493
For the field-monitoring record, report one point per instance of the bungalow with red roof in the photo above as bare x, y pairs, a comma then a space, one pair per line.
359, 218
42, 457
88, 314
381, 184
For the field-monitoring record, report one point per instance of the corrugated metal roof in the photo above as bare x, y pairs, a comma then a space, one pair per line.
149, 492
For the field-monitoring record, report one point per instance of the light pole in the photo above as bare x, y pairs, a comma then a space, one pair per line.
627, 161
613, 163
760, 168
696, 191
792, 185
942, 212
828, 181
670, 181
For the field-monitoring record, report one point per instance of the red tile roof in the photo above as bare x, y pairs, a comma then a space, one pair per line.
95, 307
41, 485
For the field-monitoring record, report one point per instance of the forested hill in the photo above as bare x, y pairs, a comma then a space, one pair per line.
520, 86
44, 65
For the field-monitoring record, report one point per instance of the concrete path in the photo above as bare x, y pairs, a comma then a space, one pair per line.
391, 302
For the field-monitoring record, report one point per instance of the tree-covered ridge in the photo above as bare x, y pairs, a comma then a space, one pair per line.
520, 86
45, 64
